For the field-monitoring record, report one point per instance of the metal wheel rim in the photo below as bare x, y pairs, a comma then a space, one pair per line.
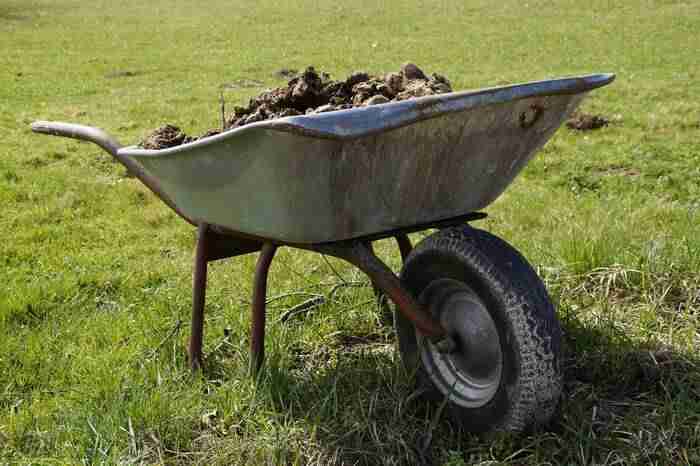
466, 366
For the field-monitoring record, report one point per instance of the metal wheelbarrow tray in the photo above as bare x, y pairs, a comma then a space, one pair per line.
474, 320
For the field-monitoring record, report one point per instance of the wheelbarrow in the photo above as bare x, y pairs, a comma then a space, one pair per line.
474, 321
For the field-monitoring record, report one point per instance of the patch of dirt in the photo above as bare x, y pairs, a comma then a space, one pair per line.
586, 122
36, 162
164, 137
620, 171
315, 92
285, 73
123, 74
350, 341
9, 16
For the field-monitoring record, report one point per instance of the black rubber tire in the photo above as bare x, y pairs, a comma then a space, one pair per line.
530, 384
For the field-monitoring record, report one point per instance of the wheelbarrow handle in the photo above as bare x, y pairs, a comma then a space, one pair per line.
111, 145
82, 132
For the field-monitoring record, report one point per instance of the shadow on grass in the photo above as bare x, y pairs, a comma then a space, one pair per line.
623, 401
358, 401
619, 387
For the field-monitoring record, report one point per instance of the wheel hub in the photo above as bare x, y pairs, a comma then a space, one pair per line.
466, 364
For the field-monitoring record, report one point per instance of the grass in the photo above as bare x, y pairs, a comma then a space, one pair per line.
96, 272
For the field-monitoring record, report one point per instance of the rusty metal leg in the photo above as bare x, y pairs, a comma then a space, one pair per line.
377, 291
404, 246
199, 288
257, 334
386, 315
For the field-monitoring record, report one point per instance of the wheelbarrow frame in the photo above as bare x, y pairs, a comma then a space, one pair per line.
216, 242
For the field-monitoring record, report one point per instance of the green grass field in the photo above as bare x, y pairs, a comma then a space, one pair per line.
96, 272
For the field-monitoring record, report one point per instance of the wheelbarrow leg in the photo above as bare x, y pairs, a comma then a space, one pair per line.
404, 246
199, 289
377, 291
257, 334
386, 315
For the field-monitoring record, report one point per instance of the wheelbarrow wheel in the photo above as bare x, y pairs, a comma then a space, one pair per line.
499, 365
